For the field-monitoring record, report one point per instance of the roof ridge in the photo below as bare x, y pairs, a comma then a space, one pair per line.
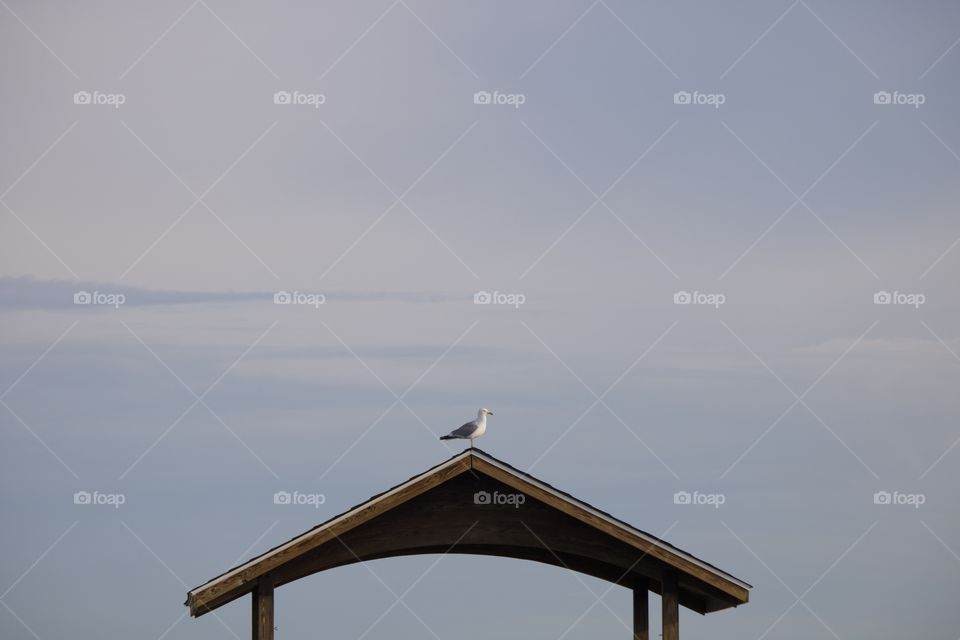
474, 452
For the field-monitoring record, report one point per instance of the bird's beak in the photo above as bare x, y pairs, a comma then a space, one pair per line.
489, 413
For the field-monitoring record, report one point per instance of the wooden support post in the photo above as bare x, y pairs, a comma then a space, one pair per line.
670, 601
641, 610
262, 610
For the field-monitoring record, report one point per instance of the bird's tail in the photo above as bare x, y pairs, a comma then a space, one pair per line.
446, 437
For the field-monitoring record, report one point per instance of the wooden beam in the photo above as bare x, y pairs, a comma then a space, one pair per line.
240, 580
445, 496
641, 610
670, 603
262, 610
654, 550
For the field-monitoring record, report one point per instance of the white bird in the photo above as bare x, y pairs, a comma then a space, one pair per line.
471, 430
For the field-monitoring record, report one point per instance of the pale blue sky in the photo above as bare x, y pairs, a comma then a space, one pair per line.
399, 198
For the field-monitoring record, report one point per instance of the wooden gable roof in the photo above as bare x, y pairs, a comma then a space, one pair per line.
468, 505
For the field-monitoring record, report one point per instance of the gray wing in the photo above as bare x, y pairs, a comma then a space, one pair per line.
465, 431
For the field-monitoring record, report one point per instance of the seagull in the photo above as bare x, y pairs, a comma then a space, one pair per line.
471, 430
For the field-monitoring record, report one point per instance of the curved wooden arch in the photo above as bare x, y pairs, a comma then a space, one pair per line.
475, 504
